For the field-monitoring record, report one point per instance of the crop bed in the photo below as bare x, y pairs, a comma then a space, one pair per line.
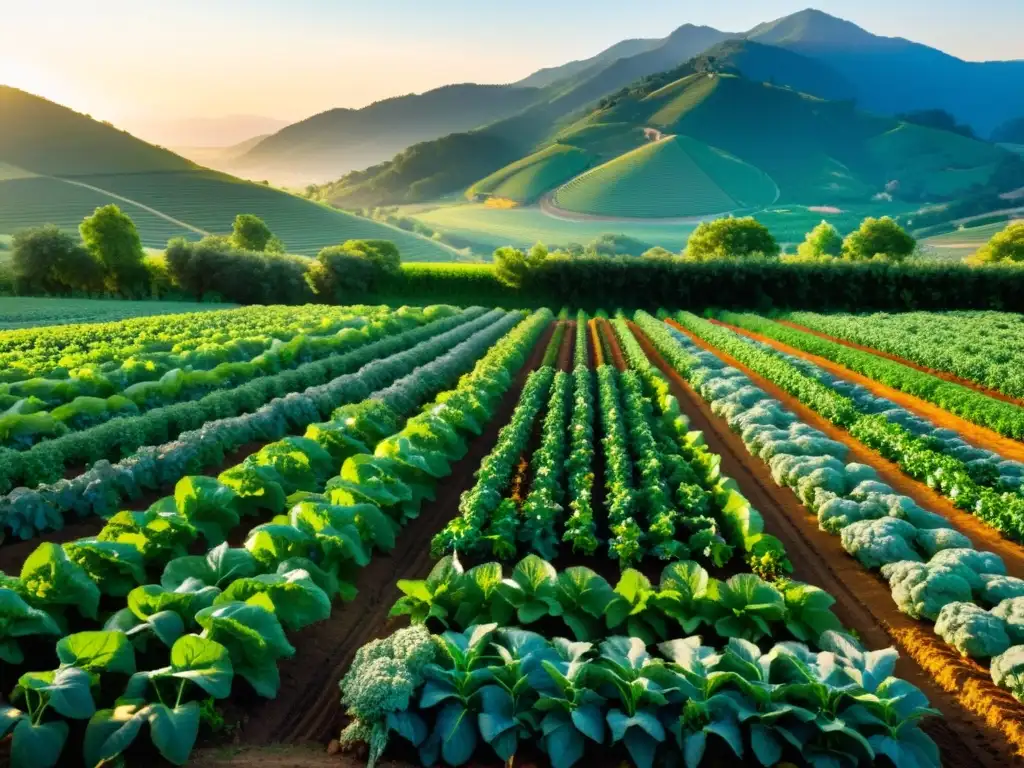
464, 536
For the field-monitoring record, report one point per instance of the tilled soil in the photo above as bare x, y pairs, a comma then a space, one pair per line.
983, 536
863, 601
945, 375
308, 706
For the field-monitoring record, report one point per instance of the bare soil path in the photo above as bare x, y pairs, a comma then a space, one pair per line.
308, 707
863, 601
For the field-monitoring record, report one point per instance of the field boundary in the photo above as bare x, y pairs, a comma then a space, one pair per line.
123, 199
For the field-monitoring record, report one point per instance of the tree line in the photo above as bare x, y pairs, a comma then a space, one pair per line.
250, 265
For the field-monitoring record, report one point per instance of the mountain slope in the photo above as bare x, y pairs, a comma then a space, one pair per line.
332, 143
57, 166
893, 75
47, 138
621, 50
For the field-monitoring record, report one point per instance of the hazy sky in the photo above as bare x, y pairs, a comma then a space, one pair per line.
132, 60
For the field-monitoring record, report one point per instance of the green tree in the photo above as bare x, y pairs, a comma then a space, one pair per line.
512, 265
46, 260
1005, 246
616, 245
657, 252
731, 238
879, 239
347, 272
251, 233
112, 239
822, 242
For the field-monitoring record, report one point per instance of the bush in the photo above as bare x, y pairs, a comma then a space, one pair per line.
46, 260
731, 238
251, 233
343, 273
617, 245
879, 239
1005, 246
245, 277
512, 265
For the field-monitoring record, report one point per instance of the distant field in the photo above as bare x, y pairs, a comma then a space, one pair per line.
204, 200
674, 177
525, 226
528, 225
961, 243
1018, 148
23, 312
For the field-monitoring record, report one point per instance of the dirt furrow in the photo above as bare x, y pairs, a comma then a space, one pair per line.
863, 602
308, 706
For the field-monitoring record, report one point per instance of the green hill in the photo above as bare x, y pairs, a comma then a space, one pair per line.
57, 166
674, 177
527, 179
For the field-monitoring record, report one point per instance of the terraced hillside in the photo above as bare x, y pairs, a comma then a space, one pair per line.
527, 179
676, 176
57, 166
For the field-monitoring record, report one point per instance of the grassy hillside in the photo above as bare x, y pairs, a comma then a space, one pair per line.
38, 135
527, 179
674, 177
57, 166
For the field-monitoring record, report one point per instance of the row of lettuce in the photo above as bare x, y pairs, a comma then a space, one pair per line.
125, 379
934, 572
327, 500
986, 348
267, 409
564, 660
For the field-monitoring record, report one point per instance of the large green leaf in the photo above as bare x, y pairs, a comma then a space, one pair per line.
208, 504
296, 600
38, 746
97, 652
112, 731
258, 488
254, 639
50, 578
220, 566
205, 662
273, 543
174, 731
19, 619
115, 568
66, 691
156, 534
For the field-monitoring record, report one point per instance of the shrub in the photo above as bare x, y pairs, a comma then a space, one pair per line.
46, 260
1006, 246
823, 242
343, 273
111, 238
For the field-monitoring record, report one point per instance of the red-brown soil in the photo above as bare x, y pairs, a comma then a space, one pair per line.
971, 432
596, 353
308, 707
612, 343
945, 375
863, 602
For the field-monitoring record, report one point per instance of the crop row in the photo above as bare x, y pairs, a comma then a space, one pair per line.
933, 570
1005, 418
497, 677
41, 409
285, 574
100, 490
973, 487
984, 347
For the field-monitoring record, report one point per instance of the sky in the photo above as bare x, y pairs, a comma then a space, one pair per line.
140, 63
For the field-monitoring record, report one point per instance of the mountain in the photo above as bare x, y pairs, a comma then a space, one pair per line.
46, 138
58, 166
455, 161
892, 75
621, 50
332, 143
225, 131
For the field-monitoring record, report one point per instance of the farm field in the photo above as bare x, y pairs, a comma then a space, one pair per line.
190, 204
472, 535
962, 243
25, 312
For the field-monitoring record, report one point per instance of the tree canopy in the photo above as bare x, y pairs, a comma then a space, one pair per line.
822, 242
346, 272
112, 239
731, 238
512, 265
937, 118
879, 239
1005, 246
251, 233
46, 260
